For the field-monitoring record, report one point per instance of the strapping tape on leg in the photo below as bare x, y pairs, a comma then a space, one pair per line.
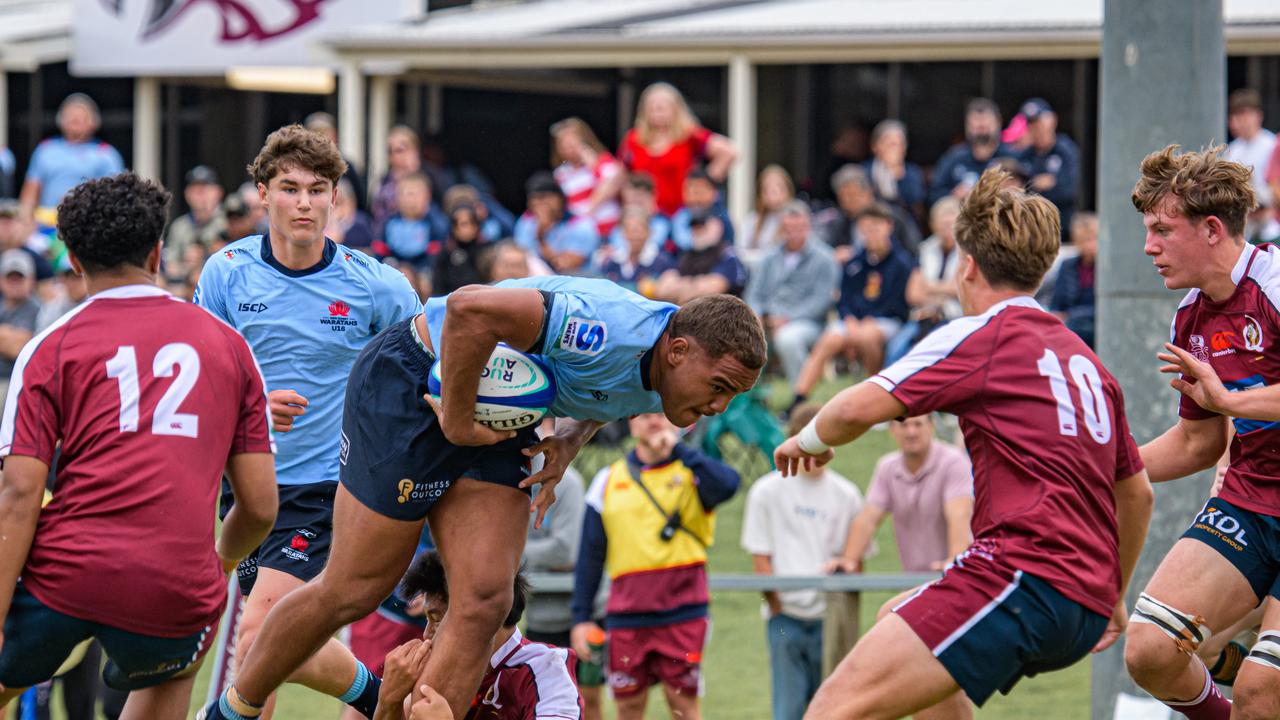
1187, 631
1267, 650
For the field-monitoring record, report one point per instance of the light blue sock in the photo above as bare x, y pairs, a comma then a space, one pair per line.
358, 685
224, 708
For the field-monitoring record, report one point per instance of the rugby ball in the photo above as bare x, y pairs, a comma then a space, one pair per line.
516, 389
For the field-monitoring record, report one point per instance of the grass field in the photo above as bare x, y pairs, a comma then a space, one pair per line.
736, 665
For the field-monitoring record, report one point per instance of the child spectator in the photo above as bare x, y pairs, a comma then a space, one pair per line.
458, 262
701, 201
638, 192
638, 265
547, 229
412, 236
590, 177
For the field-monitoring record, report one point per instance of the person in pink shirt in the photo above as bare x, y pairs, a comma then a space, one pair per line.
928, 488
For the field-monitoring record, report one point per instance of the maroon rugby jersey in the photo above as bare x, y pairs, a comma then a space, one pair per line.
148, 396
528, 681
1238, 338
1044, 424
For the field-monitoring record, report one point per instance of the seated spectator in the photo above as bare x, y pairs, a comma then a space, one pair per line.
1073, 294
70, 292
794, 526
939, 259
413, 235
201, 224
563, 240
637, 191
240, 222
523, 679
701, 200
1051, 158
505, 260
927, 485
458, 262
496, 222
404, 158
876, 294
896, 181
760, 232
589, 175
639, 266
651, 529
708, 267
794, 288
248, 192
323, 123
854, 194
348, 224
18, 309
959, 168
1252, 145
15, 233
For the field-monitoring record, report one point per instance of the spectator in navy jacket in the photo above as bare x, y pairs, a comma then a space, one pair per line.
1052, 159
959, 168
1073, 295
896, 181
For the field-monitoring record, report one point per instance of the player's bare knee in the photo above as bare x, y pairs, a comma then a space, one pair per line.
481, 605
1151, 656
1255, 701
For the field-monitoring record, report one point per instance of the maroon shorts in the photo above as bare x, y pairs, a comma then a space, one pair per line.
375, 635
669, 654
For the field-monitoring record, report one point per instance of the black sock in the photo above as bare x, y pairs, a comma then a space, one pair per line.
367, 703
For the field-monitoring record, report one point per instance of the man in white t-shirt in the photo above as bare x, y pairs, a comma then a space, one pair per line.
794, 526
927, 485
1253, 143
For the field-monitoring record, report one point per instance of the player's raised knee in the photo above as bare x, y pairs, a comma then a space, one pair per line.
1150, 654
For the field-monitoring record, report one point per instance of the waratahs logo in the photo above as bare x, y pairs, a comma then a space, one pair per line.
242, 20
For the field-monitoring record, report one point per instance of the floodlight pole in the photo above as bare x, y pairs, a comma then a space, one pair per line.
1163, 80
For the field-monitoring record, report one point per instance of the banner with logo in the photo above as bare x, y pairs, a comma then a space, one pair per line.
205, 37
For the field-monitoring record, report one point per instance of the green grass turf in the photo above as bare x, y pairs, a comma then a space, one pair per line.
736, 665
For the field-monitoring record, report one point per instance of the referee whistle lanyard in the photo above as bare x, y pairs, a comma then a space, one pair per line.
674, 524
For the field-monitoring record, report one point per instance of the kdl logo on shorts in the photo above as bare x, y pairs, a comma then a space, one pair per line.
1219, 523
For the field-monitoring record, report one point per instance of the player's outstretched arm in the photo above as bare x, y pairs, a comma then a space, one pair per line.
253, 482
842, 420
1186, 448
1208, 392
21, 490
477, 318
1134, 500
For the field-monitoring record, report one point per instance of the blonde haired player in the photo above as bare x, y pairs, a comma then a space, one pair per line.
1061, 499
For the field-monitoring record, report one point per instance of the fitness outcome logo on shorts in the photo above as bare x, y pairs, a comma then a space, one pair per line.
582, 336
410, 491
1216, 522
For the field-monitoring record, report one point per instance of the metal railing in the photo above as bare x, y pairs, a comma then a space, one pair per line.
740, 582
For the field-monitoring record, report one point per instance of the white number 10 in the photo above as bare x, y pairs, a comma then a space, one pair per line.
1097, 416
123, 367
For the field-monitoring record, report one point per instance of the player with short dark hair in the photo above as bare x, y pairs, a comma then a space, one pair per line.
307, 306
1223, 340
524, 679
151, 399
613, 353
1061, 500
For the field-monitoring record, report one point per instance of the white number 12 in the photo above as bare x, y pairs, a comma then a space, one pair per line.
123, 367
1097, 416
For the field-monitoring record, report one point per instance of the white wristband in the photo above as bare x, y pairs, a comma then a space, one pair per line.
809, 441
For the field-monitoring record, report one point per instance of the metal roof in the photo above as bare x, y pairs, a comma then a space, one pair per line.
34, 32
601, 33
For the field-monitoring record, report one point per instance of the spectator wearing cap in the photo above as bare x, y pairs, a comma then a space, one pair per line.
854, 194
793, 289
877, 290
240, 221
323, 123
639, 264
563, 240
896, 181
1253, 144
959, 168
793, 526
15, 231
201, 225
1051, 158
18, 309
61, 163
8, 166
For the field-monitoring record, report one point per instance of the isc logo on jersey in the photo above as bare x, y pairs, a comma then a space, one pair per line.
586, 337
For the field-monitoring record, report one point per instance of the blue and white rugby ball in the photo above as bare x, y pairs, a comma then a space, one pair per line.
516, 389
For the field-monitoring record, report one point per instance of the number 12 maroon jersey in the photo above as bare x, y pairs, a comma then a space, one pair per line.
148, 396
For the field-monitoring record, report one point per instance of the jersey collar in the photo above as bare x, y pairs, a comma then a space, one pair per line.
1025, 301
504, 653
330, 252
1241, 267
131, 291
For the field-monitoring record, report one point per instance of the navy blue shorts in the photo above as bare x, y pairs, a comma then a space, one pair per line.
299, 543
394, 457
990, 626
1248, 540
38, 639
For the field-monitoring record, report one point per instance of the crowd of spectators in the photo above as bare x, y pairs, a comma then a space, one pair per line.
855, 281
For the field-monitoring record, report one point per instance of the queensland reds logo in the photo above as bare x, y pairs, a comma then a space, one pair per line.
241, 19
1252, 334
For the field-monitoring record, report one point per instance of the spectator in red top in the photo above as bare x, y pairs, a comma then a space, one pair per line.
667, 142
590, 177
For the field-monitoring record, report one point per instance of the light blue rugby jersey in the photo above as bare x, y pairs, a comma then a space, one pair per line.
306, 328
597, 337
